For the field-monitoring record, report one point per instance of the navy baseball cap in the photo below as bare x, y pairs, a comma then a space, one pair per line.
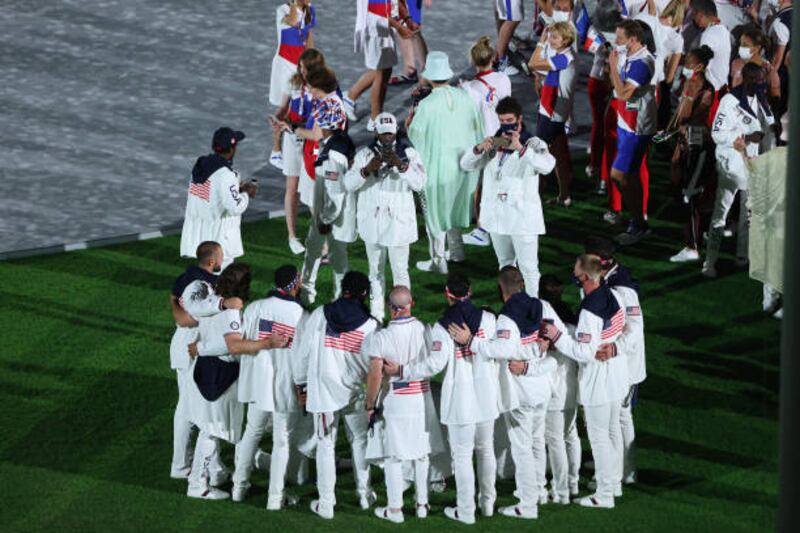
225, 138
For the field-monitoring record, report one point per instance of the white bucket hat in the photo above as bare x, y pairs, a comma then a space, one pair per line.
437, 67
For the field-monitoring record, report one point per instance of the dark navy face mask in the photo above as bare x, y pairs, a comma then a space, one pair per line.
507, 128
577, 281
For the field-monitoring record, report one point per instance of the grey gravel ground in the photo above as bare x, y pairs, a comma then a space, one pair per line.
104, 106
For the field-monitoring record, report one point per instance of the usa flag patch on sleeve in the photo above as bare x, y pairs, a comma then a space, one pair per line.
437, 346
503, 334
585, 337
633, 311
331, 175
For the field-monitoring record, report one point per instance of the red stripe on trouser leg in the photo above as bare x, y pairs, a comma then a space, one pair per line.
644, 177
614, 197
609, 153
598, 99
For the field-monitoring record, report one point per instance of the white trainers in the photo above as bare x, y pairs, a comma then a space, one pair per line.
392, 516
350, 109
487, 509
276, 160
687, 255
262, 460
618, 491
630, 479
432, 266
453, 514
708, 270
589, 170
367, 500
422, 510
296, 246
596, 503
239, 492
507, 68
323, 511
276, 503
516, 511
559, 500
573, 489
477, 237
371, 125
206, 493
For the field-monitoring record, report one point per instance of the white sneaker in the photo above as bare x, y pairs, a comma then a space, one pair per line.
422, 510
262, 460
559, 500
596, 503
708, 270
630, 479
180, 473
506, 67
391, 516
371, 125
453, 514
206, 493
276, 503
687, 255
618, 491
431, 266
516, 511
367, 500
778, 314
477, 237
544, 497
590, 171
573, 490
350, 109
276, 160
323, 511
296, 246
487, 509
222, 477
438, 486
239, 492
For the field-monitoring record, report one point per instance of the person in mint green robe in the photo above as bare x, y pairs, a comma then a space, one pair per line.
445, 124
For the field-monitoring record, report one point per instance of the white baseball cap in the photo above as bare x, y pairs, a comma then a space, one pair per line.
385, 123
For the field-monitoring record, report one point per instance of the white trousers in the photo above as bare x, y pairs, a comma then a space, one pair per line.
602, 425
337, 252
398, 260
628, 436
464, 439
393, 471
563, 449
206, 454
257, 421
522, 251
436, 245
182, 428
526, 429
325, 431
287, 430
726, 193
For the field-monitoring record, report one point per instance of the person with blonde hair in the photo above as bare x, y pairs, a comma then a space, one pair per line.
487, 88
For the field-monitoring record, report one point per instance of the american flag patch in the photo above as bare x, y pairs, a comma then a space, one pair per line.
201, 190
464, 351
530, 339
268, 328
348, 341
410, 387
584, 337
503, 334
436, 346
331, 175
633, 311
614, 326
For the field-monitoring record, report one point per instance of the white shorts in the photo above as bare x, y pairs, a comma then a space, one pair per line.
292, 151
380, 48
280, 81
511, 10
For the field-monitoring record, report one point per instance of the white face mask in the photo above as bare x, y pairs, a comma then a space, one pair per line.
687, 73
621, 48
560, 16
745, 53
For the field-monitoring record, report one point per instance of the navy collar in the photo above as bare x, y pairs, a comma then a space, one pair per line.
463, 312
525, 311
345, 314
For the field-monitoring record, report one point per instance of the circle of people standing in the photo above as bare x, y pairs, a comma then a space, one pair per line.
661, 76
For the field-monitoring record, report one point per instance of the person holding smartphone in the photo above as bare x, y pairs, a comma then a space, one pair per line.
511, 210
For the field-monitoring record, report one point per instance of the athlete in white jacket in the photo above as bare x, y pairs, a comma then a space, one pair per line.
385, 176
524, 397
469, 404
511, 209
214, 203
601, 385
742, 119
331, 368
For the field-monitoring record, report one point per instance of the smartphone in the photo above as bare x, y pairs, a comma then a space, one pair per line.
500, 142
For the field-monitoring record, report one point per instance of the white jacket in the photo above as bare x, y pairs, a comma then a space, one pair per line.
332, 204
213, 213
510, 203
334, 376
266, 379
731, 122
199, 300
631, 341
598, 382
470, 385
530, 389
564, 380
385, 211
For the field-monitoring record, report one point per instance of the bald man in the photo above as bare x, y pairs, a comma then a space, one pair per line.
404, 405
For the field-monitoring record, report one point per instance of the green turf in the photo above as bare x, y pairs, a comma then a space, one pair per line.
86, 393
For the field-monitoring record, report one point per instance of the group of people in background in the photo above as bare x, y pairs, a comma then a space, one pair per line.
705, 79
